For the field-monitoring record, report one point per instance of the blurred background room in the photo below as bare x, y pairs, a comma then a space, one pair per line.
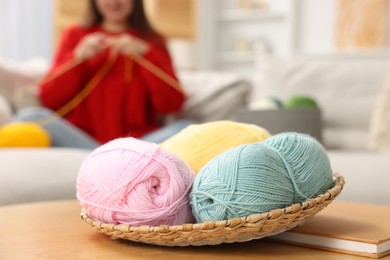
219, 34
250, 61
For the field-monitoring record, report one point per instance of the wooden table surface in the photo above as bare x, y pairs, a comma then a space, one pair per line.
54, 230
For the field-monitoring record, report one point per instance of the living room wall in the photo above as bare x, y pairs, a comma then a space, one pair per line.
26, 28
316, 25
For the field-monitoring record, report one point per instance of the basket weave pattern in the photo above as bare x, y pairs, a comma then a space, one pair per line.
238, 229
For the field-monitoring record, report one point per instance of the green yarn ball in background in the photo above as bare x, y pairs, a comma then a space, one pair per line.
300, 101
255, 178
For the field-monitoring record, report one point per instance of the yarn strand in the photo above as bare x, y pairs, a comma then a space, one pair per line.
76, 100
158, 72
91, 85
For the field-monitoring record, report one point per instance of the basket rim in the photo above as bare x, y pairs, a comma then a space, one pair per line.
329, 194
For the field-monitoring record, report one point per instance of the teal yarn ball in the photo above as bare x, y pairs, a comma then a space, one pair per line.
255, 178
306, 161
244, 180
300, 101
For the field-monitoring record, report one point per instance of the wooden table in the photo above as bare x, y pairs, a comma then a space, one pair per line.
54, 230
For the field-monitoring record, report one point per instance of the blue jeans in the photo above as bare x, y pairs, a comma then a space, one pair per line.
65, 134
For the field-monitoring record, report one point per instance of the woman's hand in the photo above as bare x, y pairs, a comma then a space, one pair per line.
90, 45
129, 45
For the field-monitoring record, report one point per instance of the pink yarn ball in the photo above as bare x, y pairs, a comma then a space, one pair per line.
129, 181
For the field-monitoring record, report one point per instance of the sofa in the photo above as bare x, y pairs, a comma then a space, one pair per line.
37, 174
346, 87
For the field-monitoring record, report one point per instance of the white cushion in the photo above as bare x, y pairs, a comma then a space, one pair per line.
379, 134
15, 74
213, 95
5, 111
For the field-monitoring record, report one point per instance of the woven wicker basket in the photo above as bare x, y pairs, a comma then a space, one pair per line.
238, 229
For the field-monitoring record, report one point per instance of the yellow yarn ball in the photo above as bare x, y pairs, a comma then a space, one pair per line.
198, 144
24, 134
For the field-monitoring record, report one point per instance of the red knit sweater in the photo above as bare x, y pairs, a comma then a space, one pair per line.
117, 107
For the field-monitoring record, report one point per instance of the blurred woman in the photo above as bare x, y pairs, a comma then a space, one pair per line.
129, 99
